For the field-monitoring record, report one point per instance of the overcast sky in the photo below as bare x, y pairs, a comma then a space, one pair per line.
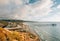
34, 10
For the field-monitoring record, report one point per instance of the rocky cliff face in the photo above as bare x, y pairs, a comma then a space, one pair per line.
20, 27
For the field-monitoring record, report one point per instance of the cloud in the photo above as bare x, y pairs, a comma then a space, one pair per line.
55, 17
36, 11
33, 12
2, 2
58, 6
5, 2
9, 7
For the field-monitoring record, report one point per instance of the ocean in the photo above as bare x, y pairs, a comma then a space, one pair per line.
48, 31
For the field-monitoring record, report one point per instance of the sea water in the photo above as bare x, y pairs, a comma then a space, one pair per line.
48, 31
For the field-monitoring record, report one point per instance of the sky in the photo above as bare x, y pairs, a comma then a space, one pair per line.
31, 10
